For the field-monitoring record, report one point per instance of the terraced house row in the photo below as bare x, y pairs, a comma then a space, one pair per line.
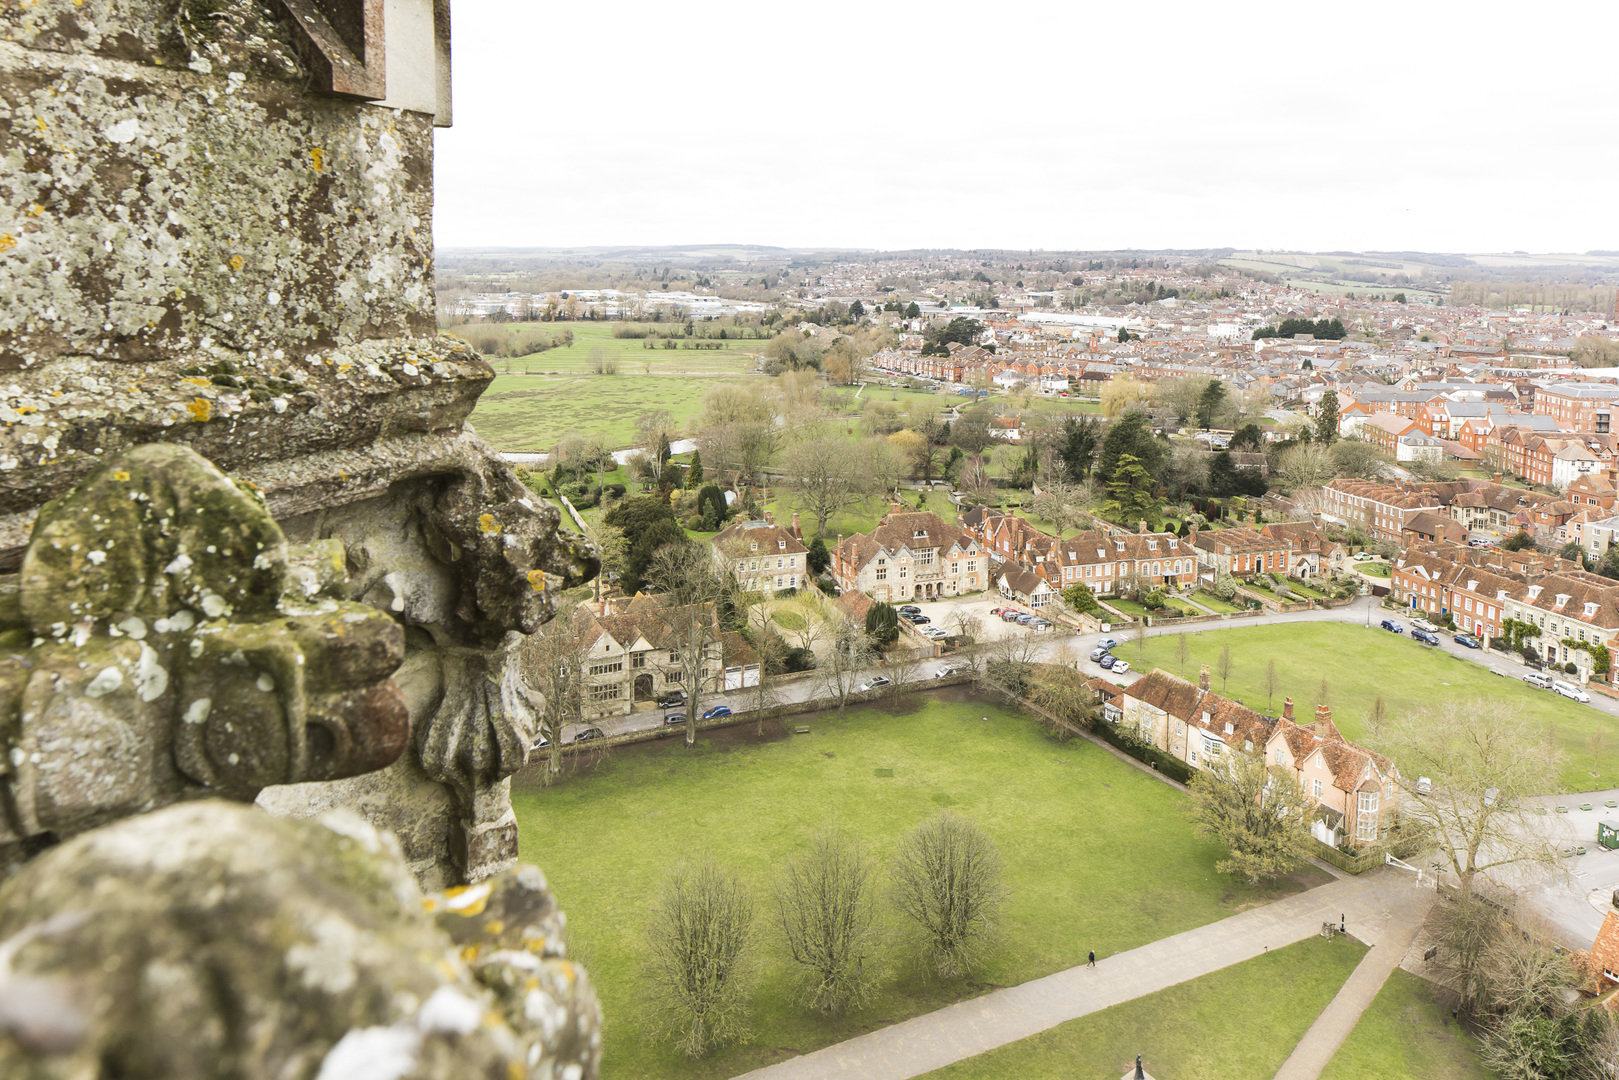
1574, 614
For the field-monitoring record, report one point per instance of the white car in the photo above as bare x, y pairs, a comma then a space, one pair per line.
946, 671
1120, 667
1570, 691
1424, 624
880, 680
932, 631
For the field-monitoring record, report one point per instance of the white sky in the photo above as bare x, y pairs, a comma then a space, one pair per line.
1305, 125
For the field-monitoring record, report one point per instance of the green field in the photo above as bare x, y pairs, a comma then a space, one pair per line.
1406, 1032
1362, 664
631, 354
1096, 853
1238, 1023
532, 412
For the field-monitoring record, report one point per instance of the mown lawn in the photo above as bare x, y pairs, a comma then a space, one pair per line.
1361, 664
1406, 1032
1238, 1023
1214, 603
1096, 853
530, 413
733, 357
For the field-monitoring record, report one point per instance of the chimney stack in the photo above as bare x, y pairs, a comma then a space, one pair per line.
1287, 708
1322, 712
1143, 525
896, 508
1203, 678
797, 534
770, 518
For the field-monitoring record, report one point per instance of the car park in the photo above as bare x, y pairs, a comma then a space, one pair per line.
717, 711
1120, 666
880, 680
1538, 679
1424, 637
1570, 691
1392, 626
1468, 640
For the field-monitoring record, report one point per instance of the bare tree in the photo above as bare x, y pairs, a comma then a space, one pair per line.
899, 664
848, 652
1483, 759
969, 640
947, 881
1223, 666
827, 474
1062, 503
826, 907
1183, 650
699, 968
691, 583
975, 480
1271, 682
771, 650
553, 662
652, 429
1305, 466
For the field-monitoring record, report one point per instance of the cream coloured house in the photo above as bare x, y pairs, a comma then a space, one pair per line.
911, 555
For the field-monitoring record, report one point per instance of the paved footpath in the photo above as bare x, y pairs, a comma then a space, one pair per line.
1377, 906
1338, 1019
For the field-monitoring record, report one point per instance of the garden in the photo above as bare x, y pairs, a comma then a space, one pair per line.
1094, 851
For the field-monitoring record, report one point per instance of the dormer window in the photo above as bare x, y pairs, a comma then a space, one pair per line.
1228, 728
781, 545
1562, 598
1152, 545
753, 547
1534, 592
1472, 584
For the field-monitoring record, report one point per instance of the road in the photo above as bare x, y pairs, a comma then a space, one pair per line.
1058, 643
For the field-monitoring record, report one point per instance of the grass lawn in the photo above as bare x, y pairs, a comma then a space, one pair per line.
1361, 664
1214, 603
532, 412
1096, 853
1238, 1023
1374, 569
1406, 1033
1128, 607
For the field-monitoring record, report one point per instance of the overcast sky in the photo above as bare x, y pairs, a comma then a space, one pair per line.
1306, 125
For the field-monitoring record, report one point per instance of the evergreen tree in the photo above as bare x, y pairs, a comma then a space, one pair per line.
711, 507
1326, 421
818, 558
1131, 435
1209, 403
882, 623
913, 312
694, 475
857, 310
1078, 447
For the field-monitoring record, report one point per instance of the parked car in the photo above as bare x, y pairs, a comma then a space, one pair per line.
1477, 541
1010, 615
1364, 556
1392, 626
880, 680
919, 620
1098, 652
909, 608
589, 734
1106, 661
716, 711
934, 632
1424, 786
1424, 637
1040, 624
540, 743
1120, 666
1469, 640
1424, 624
1108, 643
672, 700
947, 671
1538, 679
1024, 619
1570, 691
996, 610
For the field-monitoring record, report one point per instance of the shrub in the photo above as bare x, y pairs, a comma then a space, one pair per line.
695, 524
1570, 668
798, 659
1080, 597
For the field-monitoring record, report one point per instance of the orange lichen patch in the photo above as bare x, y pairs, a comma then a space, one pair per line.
536, 580
7, 241
516, 1070
25, 409
468, 899
236, 264
469, 953
194, 381
493, 927
120, 475
200, 409
429, 904
487, 524
317, 159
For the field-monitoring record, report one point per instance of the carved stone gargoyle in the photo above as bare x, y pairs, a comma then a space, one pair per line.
164, 642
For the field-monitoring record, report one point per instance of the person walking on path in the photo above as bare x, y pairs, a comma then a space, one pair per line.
1092, 962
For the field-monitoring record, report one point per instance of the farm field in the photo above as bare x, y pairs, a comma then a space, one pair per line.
1405, 1032
1237, 1023
1361, 664
1096, 852
734, 357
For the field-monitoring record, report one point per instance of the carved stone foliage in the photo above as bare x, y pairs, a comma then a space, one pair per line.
163, 641
211, 940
